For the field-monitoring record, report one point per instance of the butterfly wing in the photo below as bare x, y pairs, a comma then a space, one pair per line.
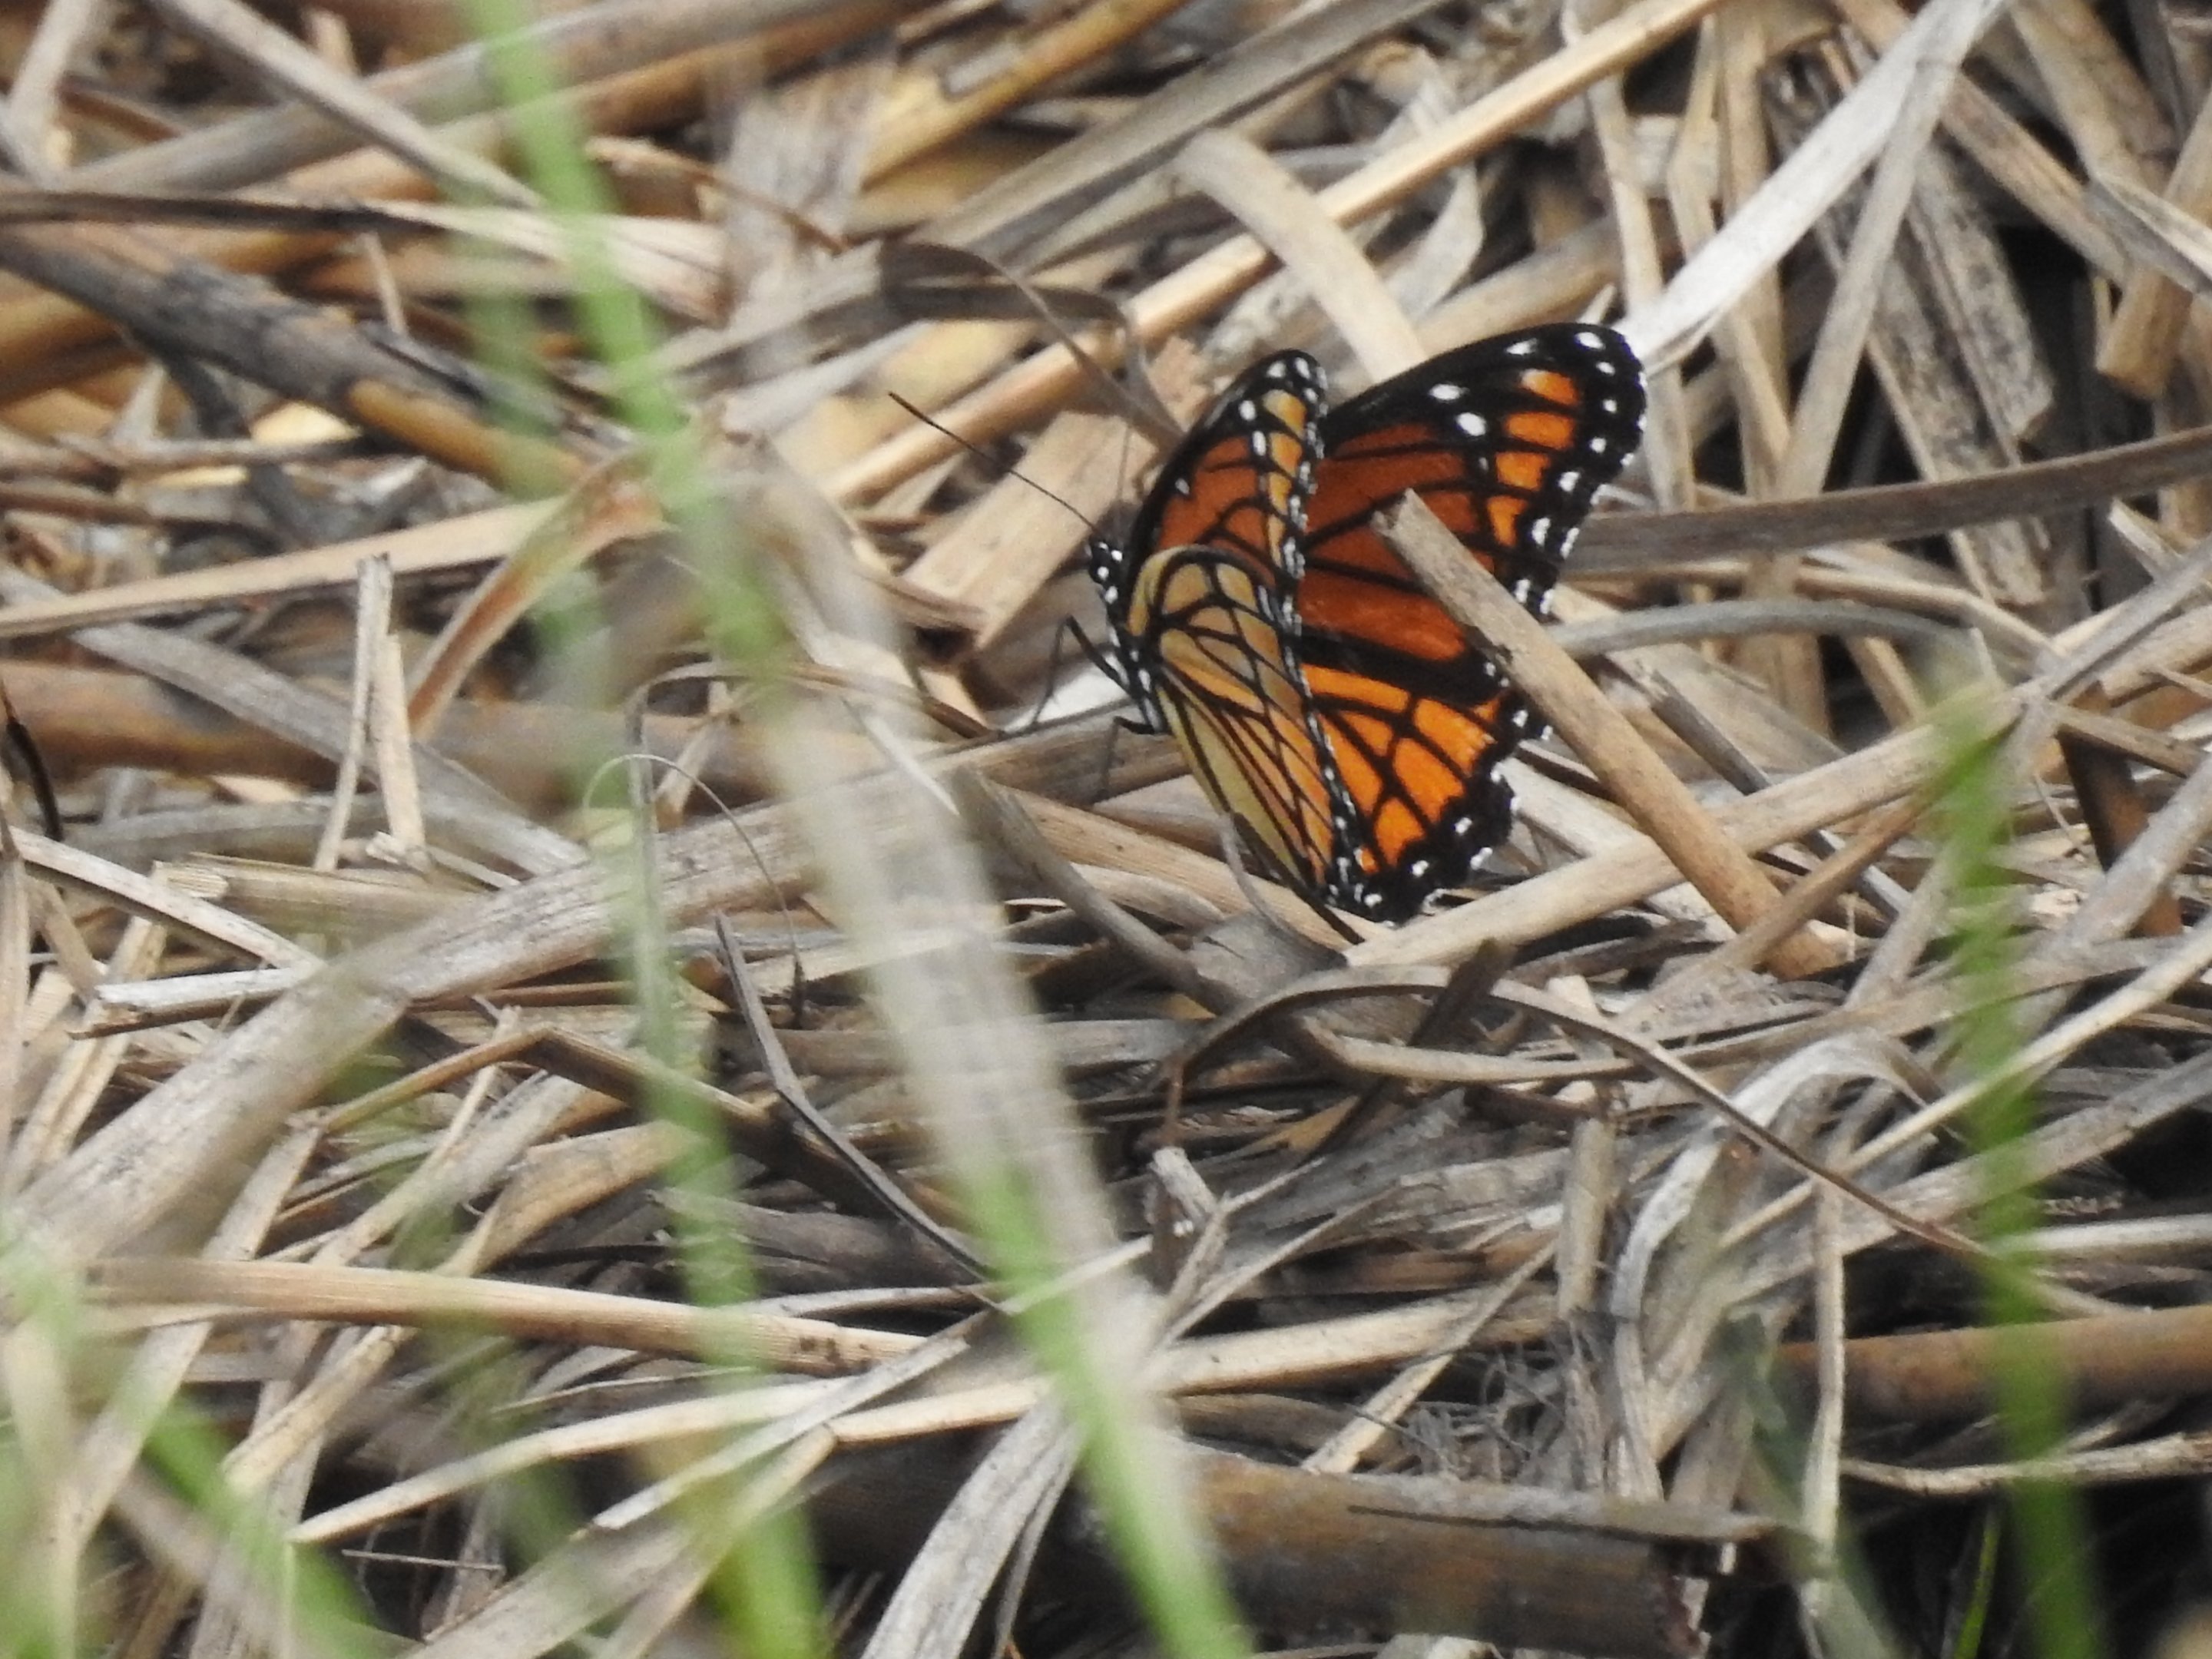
1238, 481
1508, 441
1215, 643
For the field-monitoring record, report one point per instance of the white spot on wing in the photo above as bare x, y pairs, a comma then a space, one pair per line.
1473, 424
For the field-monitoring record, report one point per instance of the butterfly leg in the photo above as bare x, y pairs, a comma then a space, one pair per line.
1100, 658
1115, 728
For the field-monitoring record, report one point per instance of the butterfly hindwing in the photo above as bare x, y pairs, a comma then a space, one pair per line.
1508, 441
1218, 649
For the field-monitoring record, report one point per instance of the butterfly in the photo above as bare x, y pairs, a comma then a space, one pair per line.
1202, 635
1328, 703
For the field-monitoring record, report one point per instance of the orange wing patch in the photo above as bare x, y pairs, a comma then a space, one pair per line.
1508, 441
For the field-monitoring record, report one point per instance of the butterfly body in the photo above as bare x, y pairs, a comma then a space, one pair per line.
1349, 678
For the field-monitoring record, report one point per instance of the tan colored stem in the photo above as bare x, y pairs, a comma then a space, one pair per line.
1659, 803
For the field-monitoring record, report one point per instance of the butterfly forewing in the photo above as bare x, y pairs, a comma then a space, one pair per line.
1238, 481
1508, 441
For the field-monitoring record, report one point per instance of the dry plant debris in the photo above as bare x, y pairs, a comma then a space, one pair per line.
471, 913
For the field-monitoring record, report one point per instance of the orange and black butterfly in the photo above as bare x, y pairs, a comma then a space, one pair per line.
1203, 635
1326, 701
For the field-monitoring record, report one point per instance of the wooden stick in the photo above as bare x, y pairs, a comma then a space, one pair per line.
2146, 331
1932, 1375
1629, 541
380, 1295
935, 118
1268, 199
178, 305
615, 38
1659, 802
291, 67
37, 330
1043, 382
91, 717
1385, 1552
2004, 148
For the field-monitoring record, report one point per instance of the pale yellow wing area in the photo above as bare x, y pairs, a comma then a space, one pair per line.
1220, 657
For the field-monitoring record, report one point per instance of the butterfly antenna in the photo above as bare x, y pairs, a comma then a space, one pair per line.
936, 425
1115, 728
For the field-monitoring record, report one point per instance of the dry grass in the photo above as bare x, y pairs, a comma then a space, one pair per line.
534, 1213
